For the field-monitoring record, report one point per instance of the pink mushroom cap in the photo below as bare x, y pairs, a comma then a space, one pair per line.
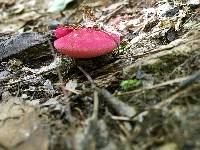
62, 31
87, 43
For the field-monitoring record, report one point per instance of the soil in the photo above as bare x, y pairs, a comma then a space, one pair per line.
143, 95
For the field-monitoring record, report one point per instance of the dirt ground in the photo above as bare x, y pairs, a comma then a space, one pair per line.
143, 95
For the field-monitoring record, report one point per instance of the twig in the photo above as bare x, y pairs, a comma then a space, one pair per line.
59, 73
160, 105
120, 107
162, 48
183, 88
168, 101
108, 16
69, 114
87, 75
191, 79
170, 82
121, 118
96, 99
96, 105
73, 91
124, 129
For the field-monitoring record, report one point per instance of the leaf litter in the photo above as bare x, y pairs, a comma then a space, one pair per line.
51, 101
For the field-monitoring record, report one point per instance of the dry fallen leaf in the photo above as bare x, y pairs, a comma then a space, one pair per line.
20, 126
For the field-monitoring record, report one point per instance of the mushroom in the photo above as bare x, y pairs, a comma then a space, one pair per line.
62, 31
85, 42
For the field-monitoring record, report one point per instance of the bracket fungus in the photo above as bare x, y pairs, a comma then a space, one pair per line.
85, 42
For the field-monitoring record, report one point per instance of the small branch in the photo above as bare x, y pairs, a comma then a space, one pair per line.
108, 16
120, 107
183, 88
96, 99
59, 73
96, 106
170, 82
86, 75
191, 79
120, 118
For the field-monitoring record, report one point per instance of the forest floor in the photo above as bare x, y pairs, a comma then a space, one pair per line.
144, 95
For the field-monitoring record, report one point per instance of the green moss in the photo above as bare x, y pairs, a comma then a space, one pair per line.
165, 65
129, 84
